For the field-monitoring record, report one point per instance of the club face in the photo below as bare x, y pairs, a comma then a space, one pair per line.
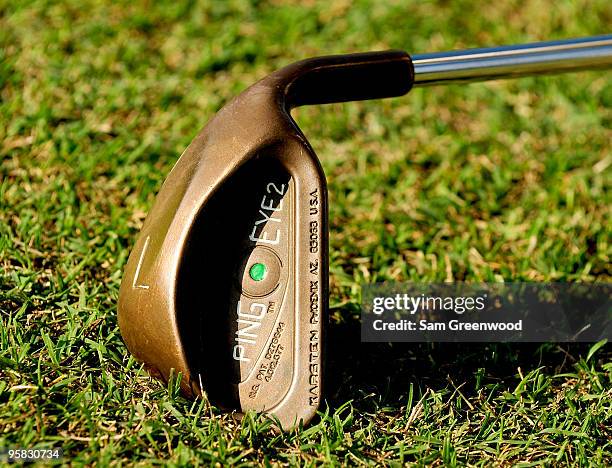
259, 248
227, 283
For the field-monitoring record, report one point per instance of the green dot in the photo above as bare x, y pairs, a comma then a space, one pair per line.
258, 272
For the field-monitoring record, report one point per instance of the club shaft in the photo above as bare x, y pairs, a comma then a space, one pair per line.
513, 61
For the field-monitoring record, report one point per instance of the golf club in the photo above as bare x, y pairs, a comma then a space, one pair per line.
227, 284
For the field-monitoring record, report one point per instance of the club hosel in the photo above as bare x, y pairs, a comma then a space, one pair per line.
341, 78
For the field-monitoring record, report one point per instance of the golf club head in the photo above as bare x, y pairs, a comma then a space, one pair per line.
227, 284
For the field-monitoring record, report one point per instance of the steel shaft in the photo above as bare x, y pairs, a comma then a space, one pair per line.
512, 61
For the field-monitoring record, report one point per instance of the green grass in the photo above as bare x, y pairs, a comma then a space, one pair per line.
506, 180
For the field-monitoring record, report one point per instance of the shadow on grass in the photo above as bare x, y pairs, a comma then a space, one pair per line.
356, 371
